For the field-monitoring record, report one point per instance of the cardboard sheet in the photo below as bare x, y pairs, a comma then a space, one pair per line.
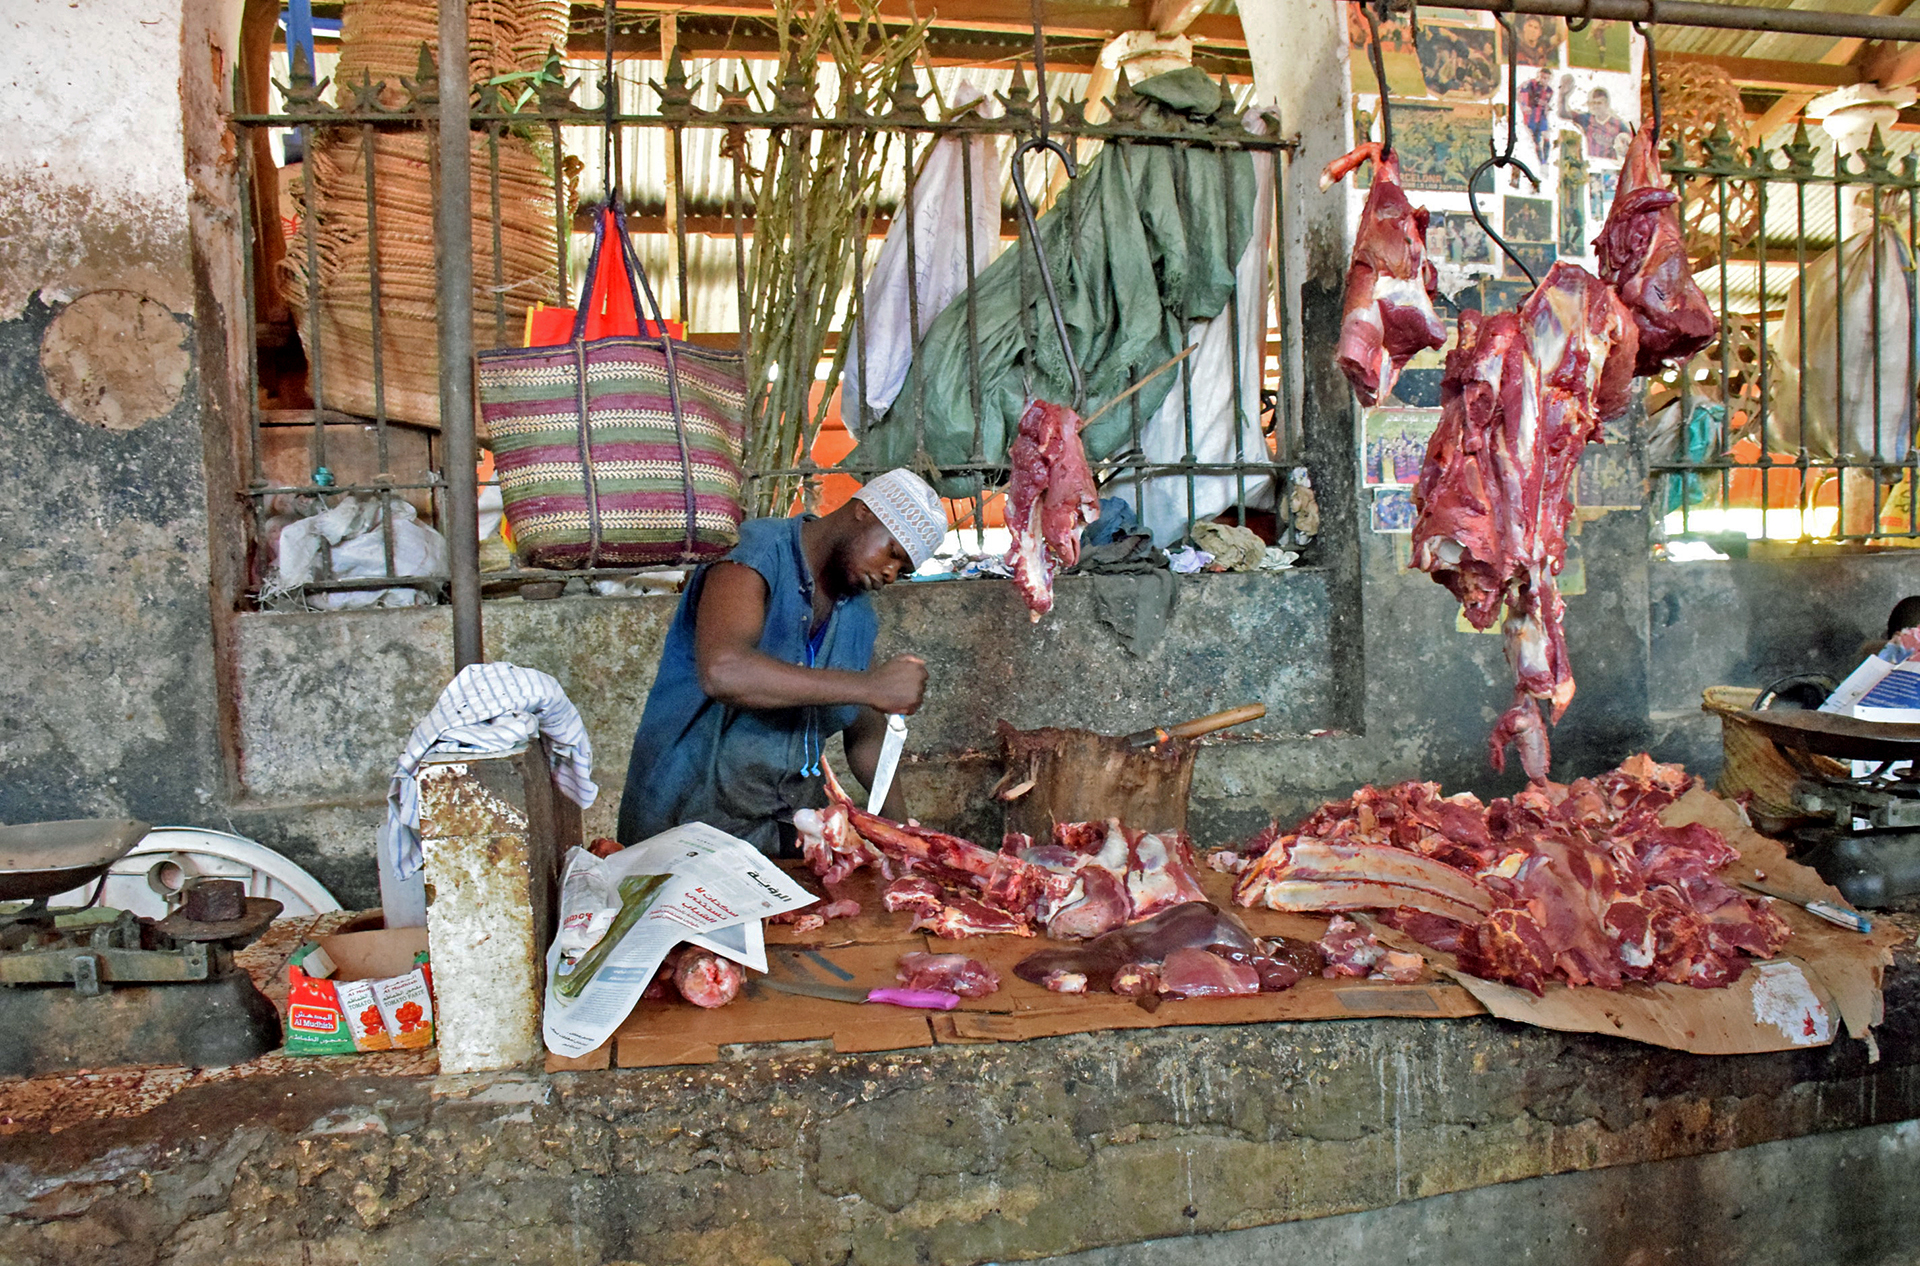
1827, 976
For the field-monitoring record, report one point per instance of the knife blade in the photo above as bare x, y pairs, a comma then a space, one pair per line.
890, 746
923, 999
1849, 919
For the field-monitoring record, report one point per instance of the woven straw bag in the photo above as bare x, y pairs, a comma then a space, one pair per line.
621, 451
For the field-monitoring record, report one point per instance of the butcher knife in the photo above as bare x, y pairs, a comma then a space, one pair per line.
1199, 725
924, 999
896, 738
1852, 920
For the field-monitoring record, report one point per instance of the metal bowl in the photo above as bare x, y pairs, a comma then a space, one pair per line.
43, 859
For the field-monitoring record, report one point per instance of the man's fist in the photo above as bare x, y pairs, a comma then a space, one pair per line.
899, 685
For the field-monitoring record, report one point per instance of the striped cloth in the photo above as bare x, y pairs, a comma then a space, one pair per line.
487, 708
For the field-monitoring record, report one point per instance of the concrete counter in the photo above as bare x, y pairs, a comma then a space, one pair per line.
949, 1155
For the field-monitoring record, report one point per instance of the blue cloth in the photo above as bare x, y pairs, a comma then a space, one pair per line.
741, 770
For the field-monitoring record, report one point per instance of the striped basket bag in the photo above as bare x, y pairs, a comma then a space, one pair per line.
621, 451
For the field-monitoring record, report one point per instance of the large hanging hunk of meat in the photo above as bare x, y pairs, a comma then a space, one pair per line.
1643, 257
1387, 314
1051, 497
1523, 395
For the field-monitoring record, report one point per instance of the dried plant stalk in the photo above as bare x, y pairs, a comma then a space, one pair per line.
815, 194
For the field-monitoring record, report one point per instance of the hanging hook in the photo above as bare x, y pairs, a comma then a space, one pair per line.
1582, 20
1379, 60
1042, 141
1498, 159
1653, 66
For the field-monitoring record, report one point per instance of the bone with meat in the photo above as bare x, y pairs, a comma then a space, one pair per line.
832, 851
1522, 396
1303, 873
1387, 314
707, 980
1051, 496
1644, 258
951, 973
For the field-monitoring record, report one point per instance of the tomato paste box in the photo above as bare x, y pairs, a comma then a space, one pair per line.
360, 991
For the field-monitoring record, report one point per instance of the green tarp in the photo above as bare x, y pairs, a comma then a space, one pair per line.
1142, 245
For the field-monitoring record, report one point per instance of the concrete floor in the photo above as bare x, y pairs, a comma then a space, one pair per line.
1843, 1199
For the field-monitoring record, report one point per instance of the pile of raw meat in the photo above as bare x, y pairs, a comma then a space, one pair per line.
1523, 394
1579, 883
1050, 499
1091, 878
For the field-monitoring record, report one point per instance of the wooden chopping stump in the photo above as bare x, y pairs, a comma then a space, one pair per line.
1080, 776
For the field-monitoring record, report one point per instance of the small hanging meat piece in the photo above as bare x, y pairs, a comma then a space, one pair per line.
1051, 497
1388, 313
1644, 258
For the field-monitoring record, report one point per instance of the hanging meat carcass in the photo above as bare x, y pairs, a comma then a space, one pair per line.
1643, 257
1050, 498
1387, 314
1524, 393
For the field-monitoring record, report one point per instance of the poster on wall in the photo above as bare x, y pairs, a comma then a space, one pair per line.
1396, 46
1602, 46
1440, 145
1396, 444
1458, 60
1575, 103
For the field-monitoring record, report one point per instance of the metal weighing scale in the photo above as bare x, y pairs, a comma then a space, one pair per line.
93, 987
1866, 841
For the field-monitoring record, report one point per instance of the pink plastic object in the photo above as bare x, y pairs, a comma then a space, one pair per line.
925, 999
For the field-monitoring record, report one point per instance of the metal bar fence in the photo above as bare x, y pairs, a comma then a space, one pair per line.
1798, 425
705, 125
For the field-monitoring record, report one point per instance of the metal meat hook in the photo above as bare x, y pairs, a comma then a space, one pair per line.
1504, 159
1027, 221
1379, 60
1653, 69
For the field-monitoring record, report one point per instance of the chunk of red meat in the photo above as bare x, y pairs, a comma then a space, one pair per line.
1196, 925
1445, 935
1051, 497
1161, 875
1643, 256
1350, 949
953, 973
914, 892
1194, 973
1101, 907
1387, 314
964, 916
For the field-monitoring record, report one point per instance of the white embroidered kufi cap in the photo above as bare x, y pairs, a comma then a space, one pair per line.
910, 509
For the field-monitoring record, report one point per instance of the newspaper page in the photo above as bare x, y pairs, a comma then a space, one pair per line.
1884, 688
718, 889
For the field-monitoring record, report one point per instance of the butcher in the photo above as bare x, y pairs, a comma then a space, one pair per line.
769, 656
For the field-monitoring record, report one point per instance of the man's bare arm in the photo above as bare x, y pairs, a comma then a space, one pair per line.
728, 622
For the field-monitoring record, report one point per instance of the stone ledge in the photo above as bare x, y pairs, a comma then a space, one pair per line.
958, 1154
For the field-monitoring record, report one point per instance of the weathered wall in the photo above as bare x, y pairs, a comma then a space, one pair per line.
107, 672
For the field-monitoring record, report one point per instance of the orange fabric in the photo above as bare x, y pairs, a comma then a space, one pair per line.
610, 308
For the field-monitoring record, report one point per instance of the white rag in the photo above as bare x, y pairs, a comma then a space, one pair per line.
487, 708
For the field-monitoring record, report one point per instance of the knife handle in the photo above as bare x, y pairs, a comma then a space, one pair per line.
1834, 914
925, 999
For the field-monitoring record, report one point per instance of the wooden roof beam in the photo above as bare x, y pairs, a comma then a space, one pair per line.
1094, 22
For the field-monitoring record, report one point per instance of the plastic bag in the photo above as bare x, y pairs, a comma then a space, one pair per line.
347, 542
1210, 382
886, 335
1840, 292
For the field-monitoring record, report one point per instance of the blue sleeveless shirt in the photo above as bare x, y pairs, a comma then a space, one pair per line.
742, 770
